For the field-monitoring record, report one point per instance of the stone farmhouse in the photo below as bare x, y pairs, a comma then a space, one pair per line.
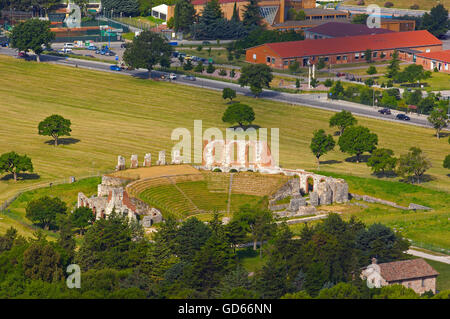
416, 274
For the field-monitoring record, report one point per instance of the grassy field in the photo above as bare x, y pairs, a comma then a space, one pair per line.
15, 215
404, 4
443, 280
112, 114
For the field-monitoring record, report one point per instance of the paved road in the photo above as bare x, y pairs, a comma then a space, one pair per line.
442, 259
316, 101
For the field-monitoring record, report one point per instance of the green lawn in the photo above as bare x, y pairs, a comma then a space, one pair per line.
112, 114
443, 280
404, 4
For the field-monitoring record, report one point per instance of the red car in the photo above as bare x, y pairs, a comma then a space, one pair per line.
22, 54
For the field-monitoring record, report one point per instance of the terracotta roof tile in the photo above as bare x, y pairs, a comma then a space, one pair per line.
443, 56
199, 2
340, 29
395, 40
406, 269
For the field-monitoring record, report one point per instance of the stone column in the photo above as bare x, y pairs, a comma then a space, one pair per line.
120, 163
161, 158
134, 161
176, 157
147, 160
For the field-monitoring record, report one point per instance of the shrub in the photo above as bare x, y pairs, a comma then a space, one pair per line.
217, 170
388, 4
361, 3
233, 170
210, 69
199, 48
222, 72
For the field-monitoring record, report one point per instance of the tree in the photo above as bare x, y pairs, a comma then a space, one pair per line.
33, 34
368, 56
396, 292
394, 65
328, 83
412, 73
147, 50
436, 22
228, 93
438, 118
199, 68
343, 119
382, 161
447, 162
239, 113
427, 104
66, 240
337, 90
44, 210
301, 15
251, 18
321, 64
342, 290
371, 70
190, 238
41, 262
235, 17
381, 242
412, 98
360, 19
210, 69
82, 217
184, 14
294, 67
256, 76
14, 163
55, 126
127, 7
188, 66
413, 164
314, 82
356, 140
83, 5
321, 144
235, 233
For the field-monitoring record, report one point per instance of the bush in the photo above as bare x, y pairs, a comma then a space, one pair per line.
199, 48
217, 170
361, 3
232, 73
210, 69
388, 4
199, 67
414, 7
435, 69
222, 72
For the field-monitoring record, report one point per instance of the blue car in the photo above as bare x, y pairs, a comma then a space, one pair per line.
92, 47
115, 68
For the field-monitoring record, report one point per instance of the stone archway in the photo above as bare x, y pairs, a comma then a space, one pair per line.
309, 184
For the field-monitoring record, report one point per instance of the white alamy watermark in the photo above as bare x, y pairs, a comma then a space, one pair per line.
74, 278
374, 18
237, 147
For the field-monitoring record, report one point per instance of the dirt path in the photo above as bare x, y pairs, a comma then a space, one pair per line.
442, 259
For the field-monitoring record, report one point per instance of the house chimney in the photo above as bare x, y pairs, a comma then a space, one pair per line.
374, 261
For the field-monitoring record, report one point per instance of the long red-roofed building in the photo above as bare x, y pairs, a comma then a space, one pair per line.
344, 50
439, 60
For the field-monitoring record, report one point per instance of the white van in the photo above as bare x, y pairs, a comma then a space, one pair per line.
68, 46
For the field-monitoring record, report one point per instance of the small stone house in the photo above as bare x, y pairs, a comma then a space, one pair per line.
416, 274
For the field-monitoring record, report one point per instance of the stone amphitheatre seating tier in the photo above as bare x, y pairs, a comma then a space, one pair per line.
168, 199
136, 187
257, 184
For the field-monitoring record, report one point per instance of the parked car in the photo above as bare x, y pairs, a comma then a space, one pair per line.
206, 42
339, 74
22, 54
175, 54
385, 111
115, 68
4, 43
190, 77
403, 117
124, 45
65, 50
172, 76
93, 47
69, 45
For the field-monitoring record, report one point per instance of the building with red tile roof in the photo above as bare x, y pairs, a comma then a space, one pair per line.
345, 49
416, 274
341, 29
439, 60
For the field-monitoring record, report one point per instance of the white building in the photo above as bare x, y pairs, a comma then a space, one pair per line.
160, 12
